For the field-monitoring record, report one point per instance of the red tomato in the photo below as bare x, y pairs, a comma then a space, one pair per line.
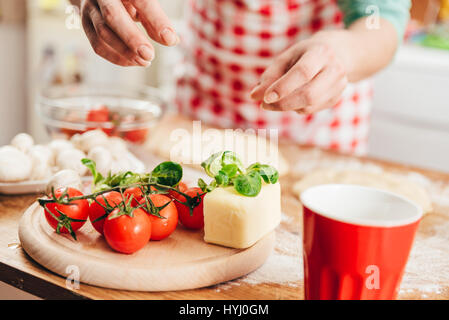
162, 228
70, 132
96, 210
181, 187
136, 136
137, 194
71, 117
127, 234
79, 209
99, 114
196, 220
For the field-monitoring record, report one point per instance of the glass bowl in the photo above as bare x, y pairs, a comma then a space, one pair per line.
119, 110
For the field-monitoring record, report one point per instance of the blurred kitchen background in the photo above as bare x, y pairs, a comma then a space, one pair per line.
43, 43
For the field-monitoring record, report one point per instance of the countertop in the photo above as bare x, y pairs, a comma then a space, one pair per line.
281, 276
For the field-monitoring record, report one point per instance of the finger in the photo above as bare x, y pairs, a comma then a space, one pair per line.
156, 22
304, 70
118, 19
110, 38
100, 47
276, 70
326, 85
336, 97
131, 10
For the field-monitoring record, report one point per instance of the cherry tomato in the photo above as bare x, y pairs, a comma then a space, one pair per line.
136, 136
99, 114
78, 209
71, 117
162, 228
127, 234
196, 220
181, 187
70, 132
136, 193
96, 211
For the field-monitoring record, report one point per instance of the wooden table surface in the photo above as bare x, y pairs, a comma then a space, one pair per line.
17, 269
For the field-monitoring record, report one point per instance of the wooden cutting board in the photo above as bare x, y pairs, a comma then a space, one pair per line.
182, 261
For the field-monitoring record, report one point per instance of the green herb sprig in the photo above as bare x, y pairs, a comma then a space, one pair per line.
165, 177
227, 169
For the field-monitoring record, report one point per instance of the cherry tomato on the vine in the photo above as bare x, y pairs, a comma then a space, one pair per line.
78, 210
127, 234
196, 220
162, 228
136, 193
113, 198
181, 187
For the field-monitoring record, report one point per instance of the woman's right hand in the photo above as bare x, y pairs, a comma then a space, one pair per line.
110, 26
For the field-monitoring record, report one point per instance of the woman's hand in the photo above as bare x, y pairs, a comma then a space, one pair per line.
307, 77
111, 28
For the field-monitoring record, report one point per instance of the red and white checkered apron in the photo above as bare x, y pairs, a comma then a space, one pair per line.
229, 44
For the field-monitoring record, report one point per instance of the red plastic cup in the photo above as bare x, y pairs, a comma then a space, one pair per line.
357, 241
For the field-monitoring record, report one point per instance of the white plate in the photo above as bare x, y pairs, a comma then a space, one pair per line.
23, 187
39, 186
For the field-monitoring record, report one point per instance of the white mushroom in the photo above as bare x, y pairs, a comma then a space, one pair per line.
22, 141
135, 164
90, 139
120, 165
15, 165
59, 145
117, 147
75, 140
71, 159
41, 168
44, 151
102, 158
64, 178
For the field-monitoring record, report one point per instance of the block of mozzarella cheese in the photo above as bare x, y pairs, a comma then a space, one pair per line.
237, 221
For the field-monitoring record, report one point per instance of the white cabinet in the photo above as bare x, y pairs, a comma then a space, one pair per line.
410, 122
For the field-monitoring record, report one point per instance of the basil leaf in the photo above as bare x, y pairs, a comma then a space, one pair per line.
92, 166
202, 185
230, 157
207, 188
230, 170
248, 184
268, 173
130, 178
219, 160
222, 178
167, 173
212, 164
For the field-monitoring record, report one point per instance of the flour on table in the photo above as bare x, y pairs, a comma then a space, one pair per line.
284, 265
427, 270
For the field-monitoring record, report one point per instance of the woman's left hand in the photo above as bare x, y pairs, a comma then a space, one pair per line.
308, 77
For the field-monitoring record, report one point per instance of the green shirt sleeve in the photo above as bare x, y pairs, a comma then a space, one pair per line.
395, 11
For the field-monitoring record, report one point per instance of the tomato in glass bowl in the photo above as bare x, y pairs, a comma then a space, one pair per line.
128, 112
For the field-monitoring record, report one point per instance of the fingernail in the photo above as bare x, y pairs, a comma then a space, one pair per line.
254, 90
271, 97
169, 37
145, 53
142, 62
